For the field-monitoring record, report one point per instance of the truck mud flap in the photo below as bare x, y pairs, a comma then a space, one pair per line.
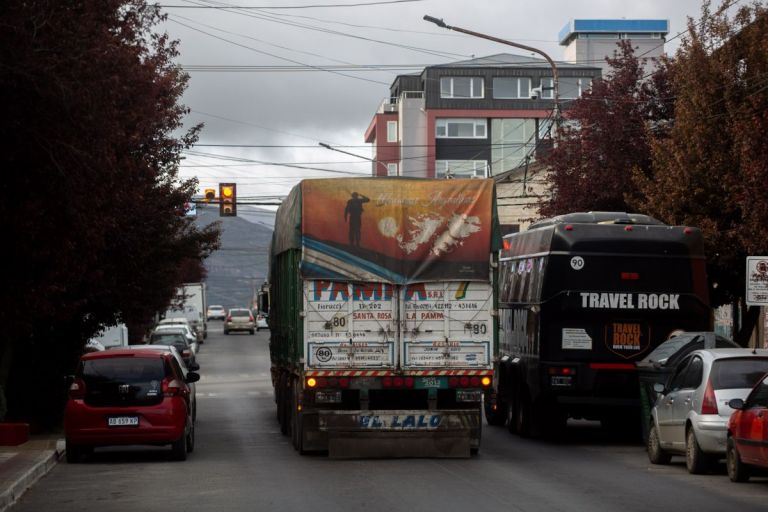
399, 434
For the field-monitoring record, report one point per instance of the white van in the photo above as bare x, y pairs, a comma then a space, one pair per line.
113, 337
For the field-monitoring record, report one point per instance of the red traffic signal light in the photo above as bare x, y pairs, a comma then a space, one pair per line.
227, 199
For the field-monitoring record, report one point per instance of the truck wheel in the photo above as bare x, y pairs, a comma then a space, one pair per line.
285, 403
297, 419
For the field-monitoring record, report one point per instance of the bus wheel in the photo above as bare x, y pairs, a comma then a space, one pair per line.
496, 417
523, 414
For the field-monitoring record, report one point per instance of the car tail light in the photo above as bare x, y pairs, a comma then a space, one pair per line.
171, 387
229, 318
77, 389
709, 403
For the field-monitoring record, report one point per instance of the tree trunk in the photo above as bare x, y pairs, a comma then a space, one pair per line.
749, 316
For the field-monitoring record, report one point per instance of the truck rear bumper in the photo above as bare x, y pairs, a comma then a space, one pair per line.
387, 433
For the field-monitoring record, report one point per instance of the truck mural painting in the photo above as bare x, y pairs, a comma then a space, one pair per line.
383, 326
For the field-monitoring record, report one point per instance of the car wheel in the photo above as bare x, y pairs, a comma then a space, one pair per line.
737, 470
656, 454
74, 452
251, 331
191, 438
696, 460
179, 448
226, 331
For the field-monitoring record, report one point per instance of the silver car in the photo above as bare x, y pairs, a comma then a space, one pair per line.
691, 413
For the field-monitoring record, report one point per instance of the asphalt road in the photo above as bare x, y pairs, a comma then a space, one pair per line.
241, 462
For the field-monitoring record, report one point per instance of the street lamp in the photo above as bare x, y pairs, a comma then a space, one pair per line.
555, 87
328, 146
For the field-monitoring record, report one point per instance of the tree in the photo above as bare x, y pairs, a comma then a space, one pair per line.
92, 134
710, 172
606, 135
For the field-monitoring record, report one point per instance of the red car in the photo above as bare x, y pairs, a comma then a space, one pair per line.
747, 445
126, 397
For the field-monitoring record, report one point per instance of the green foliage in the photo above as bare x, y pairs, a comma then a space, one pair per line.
92, 132
710, 172
606, 135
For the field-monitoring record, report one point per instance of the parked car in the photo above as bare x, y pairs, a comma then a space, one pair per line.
177, 321
261, 321
193, 367
184, 329
747, 443
691, 414
178, 340
128, 397
658, 366
112, 337
239, 319
216, 312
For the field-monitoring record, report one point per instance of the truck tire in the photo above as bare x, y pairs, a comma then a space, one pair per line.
285, 407
297, 419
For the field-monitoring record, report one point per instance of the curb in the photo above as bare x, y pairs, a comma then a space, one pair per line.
35, 466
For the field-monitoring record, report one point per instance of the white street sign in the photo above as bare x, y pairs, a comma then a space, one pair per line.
757, 281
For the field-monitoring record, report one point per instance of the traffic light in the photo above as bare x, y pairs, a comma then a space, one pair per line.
210, 194
227, 199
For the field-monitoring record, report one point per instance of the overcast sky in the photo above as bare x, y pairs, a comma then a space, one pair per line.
277, 76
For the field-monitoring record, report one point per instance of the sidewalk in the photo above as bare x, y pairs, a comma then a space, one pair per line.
21, 466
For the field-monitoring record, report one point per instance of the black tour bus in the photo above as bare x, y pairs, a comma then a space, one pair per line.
582, 297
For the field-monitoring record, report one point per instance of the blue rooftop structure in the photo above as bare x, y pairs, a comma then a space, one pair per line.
575, 27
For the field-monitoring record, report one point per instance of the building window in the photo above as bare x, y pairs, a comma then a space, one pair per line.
511, 141
570, 87
391, 169
391, 131
461, 128
461, 168
511, 87
461, 87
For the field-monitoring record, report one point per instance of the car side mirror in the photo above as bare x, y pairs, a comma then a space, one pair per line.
658, 387
192, 377
736, 403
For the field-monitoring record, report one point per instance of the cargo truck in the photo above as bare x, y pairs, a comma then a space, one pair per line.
191, 303
383, 315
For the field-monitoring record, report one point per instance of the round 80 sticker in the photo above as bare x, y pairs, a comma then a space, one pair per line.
577, 263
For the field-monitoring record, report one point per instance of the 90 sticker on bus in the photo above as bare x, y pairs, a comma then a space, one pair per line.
399, 422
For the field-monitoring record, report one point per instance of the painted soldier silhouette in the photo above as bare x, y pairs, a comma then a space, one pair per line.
353, 214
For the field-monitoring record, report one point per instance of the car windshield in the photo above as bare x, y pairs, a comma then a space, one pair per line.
738, 373
240, 312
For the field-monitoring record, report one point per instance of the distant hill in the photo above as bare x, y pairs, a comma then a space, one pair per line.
242, 262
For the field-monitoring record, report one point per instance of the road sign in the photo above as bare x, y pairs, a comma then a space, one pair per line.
190, 209
757, 281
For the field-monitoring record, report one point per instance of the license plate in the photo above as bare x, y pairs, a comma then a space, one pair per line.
123, 421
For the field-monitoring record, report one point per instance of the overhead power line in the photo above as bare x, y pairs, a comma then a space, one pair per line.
285, 7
